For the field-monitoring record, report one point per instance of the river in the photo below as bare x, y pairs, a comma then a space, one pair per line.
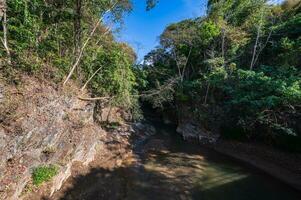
168, 168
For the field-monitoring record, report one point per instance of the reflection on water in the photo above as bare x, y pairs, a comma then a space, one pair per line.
171, 169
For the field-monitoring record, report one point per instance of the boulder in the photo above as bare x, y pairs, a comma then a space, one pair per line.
191, 132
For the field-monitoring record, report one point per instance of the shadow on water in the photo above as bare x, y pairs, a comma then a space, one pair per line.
122, 183
171, 169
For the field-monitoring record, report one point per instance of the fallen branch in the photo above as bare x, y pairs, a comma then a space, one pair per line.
94, 99
167, 86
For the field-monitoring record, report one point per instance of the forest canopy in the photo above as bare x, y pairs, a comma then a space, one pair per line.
237, 68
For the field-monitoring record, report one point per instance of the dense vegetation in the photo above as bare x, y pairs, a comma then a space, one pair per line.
54, 38
238, 69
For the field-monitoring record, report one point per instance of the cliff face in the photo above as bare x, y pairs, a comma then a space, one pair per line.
41, 125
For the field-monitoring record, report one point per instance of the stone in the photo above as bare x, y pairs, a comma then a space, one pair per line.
44, 117
191, 132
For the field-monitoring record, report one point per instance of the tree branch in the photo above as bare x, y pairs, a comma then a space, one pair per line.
85, 44
91, 78
93, 99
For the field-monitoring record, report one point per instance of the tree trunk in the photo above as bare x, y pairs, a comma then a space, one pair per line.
257, 41
77, 30
207, 93
261, 49
2, 7
223, 43
255, 48
4, 24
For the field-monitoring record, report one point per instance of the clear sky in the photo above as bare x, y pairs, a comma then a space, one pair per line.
141, 28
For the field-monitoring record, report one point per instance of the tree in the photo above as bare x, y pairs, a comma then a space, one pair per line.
47, 37
3, 17
238, 66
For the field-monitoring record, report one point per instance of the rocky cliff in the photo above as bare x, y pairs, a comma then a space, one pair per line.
42, 124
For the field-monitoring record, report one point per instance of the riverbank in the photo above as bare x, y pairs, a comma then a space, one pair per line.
43, 125
161, 166
284, 166
281, 165
102, 178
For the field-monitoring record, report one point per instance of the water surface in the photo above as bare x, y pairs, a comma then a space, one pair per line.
169, 168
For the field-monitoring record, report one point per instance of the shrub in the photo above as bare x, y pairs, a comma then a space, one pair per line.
43, 174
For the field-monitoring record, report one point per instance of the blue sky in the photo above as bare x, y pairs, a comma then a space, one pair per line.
141, 28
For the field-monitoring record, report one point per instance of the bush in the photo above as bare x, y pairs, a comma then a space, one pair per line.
263, 97
43, 174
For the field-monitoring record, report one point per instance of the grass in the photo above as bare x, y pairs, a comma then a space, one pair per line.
43, 174
111, 125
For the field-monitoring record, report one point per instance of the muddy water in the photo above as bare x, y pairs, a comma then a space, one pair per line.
167, 168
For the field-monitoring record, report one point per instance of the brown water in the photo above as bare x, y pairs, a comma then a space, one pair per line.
168, 168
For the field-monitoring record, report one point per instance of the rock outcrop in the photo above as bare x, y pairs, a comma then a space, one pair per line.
41, 125
192, 132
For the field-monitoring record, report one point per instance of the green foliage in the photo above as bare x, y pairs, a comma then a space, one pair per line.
262, 103
141, 77
163, 93
259, 97
116, 77
208, 31
110, 125
43, 174
48, 35
200, 63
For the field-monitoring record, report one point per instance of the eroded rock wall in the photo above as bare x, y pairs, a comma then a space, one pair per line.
41, 125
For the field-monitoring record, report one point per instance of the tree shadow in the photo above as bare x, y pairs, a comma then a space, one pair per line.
244, 188
122, 183
174, 172
138, 183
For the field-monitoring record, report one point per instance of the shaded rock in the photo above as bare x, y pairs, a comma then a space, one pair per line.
192, 132
144, 129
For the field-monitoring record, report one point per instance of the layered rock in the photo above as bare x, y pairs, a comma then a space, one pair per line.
41, 125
